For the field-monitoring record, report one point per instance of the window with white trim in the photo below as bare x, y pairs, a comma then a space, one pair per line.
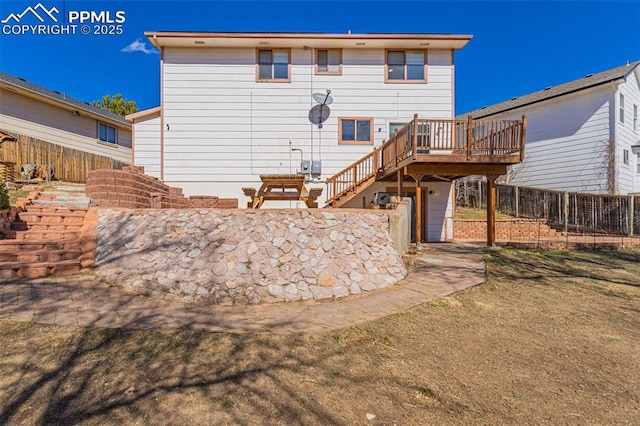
625, 157
621, 108
355, 131
329, 61
107, 133
273, 65
635, 117
406, 65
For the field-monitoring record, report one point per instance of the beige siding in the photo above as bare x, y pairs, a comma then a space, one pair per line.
225, 129
59, 126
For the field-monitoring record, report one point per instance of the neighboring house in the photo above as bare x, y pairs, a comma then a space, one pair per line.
44, 114
235, 106
579, 134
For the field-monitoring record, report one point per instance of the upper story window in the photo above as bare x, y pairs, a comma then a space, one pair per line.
329, 61
274, 65
621, 108
635, 117
106, 133
355, 131
406, 66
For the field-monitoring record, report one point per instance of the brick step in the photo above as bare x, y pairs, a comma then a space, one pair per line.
84, 203
48, 218
45, 227
29, 256
10, 270
42, 235
9, 245
33, 208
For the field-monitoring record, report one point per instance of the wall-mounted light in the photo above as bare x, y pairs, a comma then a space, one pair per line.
76, 113
432, 192
636, 148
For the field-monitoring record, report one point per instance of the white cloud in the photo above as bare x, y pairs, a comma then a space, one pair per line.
139, 46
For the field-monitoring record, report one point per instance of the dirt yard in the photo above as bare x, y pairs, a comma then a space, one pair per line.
553, 338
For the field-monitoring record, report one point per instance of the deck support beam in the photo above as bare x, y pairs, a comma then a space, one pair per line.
419, 201
491, 210
400, 177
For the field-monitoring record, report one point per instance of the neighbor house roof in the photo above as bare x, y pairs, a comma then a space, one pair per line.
51, 96
586, 82
313, 40
143, 114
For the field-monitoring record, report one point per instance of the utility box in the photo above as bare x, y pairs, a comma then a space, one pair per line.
316, 168
305, 167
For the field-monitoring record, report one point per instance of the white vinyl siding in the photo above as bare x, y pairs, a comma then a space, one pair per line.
567, 142
626, 136
226, 128
147, 144
59, 126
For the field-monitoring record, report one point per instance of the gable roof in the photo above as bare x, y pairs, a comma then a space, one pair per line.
586, 82
57, 97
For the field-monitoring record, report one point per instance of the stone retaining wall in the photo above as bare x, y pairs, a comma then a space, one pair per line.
246, 256
131, 188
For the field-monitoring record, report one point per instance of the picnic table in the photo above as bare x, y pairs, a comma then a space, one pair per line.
282, 188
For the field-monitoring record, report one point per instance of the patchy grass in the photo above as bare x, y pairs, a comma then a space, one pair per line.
469, 213
552, 338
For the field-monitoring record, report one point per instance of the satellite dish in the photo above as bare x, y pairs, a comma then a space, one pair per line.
319, 114
323, 98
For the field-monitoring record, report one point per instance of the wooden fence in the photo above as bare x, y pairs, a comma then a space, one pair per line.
70, 165
564, 211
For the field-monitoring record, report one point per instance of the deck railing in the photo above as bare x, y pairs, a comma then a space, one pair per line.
500, 141
468, 138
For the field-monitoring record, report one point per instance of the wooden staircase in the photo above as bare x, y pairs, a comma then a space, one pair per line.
351, 181
44, 238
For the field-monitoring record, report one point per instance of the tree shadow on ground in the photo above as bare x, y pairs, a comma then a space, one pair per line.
614, 267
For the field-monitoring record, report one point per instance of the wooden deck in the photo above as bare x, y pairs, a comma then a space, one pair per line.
441, 150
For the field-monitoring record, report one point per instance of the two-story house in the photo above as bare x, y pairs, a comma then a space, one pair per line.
235, 106
582, 136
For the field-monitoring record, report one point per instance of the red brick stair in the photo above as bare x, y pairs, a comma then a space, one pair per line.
43, 239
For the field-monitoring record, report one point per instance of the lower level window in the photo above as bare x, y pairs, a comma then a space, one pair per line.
106, 133
355, 131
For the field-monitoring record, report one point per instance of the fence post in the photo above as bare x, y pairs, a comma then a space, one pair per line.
566, 212
632, 201
517, 195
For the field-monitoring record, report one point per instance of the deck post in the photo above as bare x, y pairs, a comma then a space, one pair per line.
632, 201
400, 177
491, 210
418, 178
415, 136
469, 136
523, 136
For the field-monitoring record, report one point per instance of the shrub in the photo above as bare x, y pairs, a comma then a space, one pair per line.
4, 196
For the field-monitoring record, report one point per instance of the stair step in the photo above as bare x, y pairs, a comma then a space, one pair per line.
38, 269
84, 203
9, 245
23, 256
42, 235
32, 208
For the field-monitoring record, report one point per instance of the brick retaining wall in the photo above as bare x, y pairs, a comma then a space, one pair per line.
513, 229
131, 188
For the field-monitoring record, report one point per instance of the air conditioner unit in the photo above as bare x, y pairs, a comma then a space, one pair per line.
381, 198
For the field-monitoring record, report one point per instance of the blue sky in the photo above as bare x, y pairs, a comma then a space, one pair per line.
518, 46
